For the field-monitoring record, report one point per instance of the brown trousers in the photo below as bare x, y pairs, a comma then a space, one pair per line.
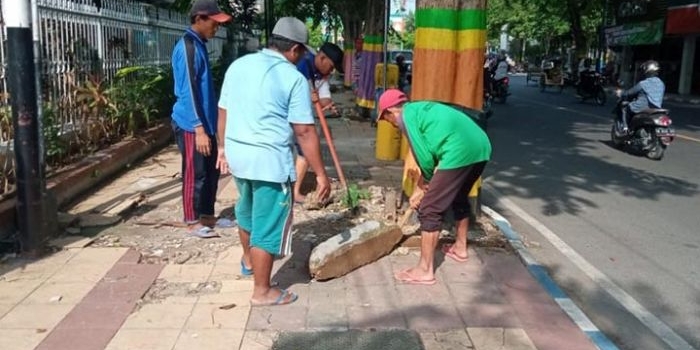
448, 188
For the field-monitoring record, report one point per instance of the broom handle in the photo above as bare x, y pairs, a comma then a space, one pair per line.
327, 134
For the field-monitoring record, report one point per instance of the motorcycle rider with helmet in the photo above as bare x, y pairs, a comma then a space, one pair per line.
647, 94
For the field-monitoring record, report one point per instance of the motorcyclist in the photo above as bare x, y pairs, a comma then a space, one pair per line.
647, 94
500, 70
586, 75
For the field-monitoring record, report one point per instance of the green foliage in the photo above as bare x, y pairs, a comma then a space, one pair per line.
316, 38
138, 94
352, 198
552, 22
55, 145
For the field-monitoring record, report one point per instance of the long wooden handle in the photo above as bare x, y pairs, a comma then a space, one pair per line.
327, 134
404, 218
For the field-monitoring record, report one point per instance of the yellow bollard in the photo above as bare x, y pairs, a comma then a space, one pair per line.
404, 147
388, 143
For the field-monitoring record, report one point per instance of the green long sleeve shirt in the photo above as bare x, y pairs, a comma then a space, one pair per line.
443, 137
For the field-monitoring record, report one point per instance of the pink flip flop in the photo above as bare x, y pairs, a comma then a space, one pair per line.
404, 277
447, 250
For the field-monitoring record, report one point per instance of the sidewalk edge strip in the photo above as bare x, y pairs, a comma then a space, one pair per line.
598, 338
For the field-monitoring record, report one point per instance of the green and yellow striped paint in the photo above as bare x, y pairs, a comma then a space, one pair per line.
372, 48
452, 43
448, 59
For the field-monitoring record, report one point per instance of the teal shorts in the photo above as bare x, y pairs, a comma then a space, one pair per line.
264, 209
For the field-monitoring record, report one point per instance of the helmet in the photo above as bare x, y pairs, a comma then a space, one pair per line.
650, 68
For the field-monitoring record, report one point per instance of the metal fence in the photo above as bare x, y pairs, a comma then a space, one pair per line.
79, 39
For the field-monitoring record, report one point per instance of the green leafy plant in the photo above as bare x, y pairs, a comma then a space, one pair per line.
139, 93
354, 194
55, 145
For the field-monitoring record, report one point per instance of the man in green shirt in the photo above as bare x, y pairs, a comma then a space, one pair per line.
451, 151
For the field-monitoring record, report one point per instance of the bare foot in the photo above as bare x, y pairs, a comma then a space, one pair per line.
415, 276
299, 198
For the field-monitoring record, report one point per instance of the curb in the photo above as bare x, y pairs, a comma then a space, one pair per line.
540, 273
82, 176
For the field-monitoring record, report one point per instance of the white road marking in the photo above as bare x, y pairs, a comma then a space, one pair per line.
658, 327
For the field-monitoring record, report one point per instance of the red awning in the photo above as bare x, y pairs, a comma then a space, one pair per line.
683, 20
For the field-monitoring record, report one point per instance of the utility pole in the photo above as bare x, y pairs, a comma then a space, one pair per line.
21, 78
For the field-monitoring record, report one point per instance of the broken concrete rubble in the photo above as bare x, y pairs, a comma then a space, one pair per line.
353, 248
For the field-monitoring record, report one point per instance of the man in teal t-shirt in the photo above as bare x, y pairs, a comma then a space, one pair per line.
451, 151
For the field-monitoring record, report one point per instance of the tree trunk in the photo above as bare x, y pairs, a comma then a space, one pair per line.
448, 59
372, 52
574, 8
449, 51
351, 13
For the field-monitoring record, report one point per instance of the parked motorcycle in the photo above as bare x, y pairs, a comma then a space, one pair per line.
648, 132
592, 86
500, 90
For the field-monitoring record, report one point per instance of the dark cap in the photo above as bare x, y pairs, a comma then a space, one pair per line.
335, 53
210, 9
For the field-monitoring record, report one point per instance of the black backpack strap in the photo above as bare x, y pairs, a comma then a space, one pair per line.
194, 84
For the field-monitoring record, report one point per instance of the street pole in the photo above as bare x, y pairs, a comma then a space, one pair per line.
269, 4
386, 44
23, 97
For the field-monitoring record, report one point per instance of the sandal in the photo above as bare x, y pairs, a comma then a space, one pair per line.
203, 232
447, 250
245, 271
405, 277
285, 297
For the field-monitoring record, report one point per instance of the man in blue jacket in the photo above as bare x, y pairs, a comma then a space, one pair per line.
317, 69
194, 117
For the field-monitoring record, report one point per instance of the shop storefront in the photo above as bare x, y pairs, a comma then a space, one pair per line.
683, 27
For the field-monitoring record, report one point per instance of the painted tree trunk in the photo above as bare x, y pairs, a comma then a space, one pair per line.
448, 59
372, 52
449, 51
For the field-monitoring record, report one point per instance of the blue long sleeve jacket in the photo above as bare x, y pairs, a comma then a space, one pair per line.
195, 103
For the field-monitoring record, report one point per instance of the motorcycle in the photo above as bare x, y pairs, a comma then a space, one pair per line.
649, 132
500, 89
488, 104
593, 88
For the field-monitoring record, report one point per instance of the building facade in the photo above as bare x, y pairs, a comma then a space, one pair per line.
663, 30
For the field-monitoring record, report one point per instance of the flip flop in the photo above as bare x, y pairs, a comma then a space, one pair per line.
404, 277
282, 299
244, 270
447, 250
225, 223
204, 232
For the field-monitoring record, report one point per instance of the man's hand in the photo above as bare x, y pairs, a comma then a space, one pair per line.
314, 96
202, 141
323, 188
416, 198
221, 162
331, 107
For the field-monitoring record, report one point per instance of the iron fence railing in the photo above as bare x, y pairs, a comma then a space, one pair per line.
80, 40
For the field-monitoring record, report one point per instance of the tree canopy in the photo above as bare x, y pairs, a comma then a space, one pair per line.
573, 22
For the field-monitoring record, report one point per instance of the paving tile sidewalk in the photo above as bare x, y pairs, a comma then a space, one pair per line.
91, 297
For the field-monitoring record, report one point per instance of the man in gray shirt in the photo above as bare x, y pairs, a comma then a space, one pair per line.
648, 93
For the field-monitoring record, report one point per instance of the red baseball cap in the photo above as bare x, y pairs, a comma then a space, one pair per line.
390, 98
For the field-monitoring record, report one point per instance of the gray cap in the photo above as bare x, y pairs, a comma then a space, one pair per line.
293, 29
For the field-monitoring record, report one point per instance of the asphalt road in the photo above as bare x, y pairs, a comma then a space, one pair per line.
620, 233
